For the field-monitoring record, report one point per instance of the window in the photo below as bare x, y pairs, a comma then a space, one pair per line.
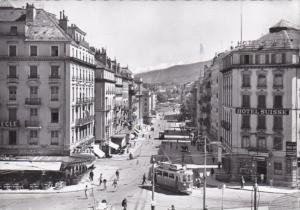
245, 142
12, 71
267, 59
273, 58
246, 80
33, 72
12, 50
257, 59
13, 30
33, 112
12, 93
283, 58
54, 93
277, 143
246, 101
261, 101
261, 81
12, 114
278, 81
54, 137
54, 116
261, 143
12, 137
165, 174
171, 176
33, 91
246, 59
277, 101
159, 173
33, 137
277, 168
261, 122
277, 123
54, 50
245, 121
33, 50
54, 71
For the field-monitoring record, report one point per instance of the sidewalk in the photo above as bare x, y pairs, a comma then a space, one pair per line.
135, 150
265, 189
108, 172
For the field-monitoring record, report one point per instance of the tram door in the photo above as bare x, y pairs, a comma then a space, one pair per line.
261, 169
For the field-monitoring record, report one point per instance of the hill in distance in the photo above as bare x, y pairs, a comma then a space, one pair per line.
179, 74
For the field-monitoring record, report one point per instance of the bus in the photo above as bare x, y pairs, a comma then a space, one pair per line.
174, 177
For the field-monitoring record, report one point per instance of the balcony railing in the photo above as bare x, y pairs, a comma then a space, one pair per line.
33, 76
85, 120
32, 124
54, 77
85, 100
33, 101
258, 149
12, 78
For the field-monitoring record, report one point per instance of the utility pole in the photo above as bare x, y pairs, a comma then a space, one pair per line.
153, 185
255, 194
204, 176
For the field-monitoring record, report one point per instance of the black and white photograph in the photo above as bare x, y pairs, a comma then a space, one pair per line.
149, 104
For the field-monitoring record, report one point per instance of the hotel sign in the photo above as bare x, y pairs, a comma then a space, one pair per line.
291, 149
248, 111
6, 124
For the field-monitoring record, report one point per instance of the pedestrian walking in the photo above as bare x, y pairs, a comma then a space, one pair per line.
172, 207
124, 204
213, 159
100, 179
91, 176
144, 179
117, 174
115, 183
104, 184
85, 191
212, 171
242, 182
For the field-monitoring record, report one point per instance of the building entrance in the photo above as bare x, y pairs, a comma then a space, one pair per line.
261, 171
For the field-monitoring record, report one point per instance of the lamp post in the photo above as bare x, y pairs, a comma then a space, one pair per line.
153, 186
223, 188
204, 176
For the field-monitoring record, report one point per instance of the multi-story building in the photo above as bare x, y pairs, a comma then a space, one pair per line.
148, 105
46, 84
118, 127
105, 98
260, 119
138, 112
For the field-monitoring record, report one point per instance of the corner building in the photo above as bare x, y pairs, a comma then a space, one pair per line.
46, 84
262, 76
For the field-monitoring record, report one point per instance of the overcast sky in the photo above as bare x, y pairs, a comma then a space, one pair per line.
150, 35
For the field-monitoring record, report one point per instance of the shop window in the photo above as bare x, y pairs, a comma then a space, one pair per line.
277, 102
261, 122
277, 143
261, 101
246, 101
245, 142
12, 137
246, 81
277, 168
245, 121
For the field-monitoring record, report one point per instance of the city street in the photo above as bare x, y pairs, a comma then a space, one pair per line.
139, 198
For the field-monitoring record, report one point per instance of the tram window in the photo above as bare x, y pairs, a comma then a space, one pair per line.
171, 176
165, 174
159, 173
184, 178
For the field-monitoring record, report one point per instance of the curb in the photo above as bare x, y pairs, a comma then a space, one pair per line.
234, 188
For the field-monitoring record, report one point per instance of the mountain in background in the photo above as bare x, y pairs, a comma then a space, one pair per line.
179, 74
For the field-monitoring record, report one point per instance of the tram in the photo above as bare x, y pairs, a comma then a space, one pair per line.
173, 177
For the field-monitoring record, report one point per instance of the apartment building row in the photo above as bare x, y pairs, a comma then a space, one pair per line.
248, 102
59, 94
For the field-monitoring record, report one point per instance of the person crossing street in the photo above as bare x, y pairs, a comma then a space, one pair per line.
117, 174
144, 179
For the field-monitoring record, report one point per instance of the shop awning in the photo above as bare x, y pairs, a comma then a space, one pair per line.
29, 166
119, 139
97, 151
113, 145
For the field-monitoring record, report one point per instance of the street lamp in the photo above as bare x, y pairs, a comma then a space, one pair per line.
153, 185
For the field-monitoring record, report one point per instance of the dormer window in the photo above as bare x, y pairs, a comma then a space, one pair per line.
13, 30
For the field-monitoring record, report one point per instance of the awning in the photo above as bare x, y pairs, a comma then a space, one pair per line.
119, 139
97, 151
29, 166
113, 145
136, 130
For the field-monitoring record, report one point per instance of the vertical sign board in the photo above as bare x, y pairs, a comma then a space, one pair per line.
291, 149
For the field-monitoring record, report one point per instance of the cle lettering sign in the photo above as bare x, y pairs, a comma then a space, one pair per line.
6, 124
248, 111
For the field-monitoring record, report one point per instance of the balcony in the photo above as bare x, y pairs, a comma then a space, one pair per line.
278, 129
12, 79
54, 78
33, 101
258, 149
84, 121
32, 124
33, 77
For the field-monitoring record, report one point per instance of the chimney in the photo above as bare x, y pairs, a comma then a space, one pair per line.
63, 20
30, 12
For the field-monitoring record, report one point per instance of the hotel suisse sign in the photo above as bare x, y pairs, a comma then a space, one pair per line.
291, 149
6, 124
247, 111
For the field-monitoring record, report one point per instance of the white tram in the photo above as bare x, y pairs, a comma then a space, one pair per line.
174, 177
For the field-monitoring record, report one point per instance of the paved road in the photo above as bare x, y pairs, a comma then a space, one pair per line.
139, 198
